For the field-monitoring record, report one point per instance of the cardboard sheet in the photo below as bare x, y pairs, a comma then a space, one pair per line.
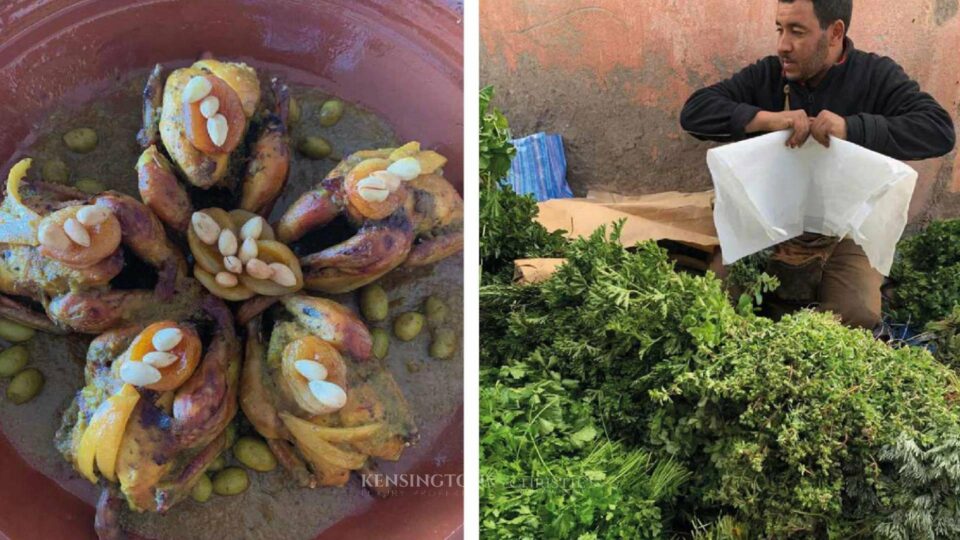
686, 218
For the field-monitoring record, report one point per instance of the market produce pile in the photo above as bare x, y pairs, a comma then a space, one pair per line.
624, 399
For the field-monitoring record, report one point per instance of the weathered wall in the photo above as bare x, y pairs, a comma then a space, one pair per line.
612, 76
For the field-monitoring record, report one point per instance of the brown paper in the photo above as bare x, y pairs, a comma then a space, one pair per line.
682, 217
529, 271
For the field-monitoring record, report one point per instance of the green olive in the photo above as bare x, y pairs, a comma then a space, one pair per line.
25, 386
231, 481
90, 186
330, 112
218, 463
374, 303
12, 360
408, 325
381, 343
436, 311
81, 140
255, 454
55, 170
293, 111
231, 433
15, 332
202, 489
444, 343
314, 147
413, 366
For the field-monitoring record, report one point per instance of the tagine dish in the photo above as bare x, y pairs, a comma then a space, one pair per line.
226, 302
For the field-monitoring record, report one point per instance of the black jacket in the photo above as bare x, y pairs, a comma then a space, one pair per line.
885, 110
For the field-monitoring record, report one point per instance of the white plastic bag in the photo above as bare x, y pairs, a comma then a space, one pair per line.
767, 193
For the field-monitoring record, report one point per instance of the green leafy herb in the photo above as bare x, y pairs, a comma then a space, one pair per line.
927, 274
547, 470
508, 227
787, 424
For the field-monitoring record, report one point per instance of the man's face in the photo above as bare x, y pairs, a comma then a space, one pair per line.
802, 45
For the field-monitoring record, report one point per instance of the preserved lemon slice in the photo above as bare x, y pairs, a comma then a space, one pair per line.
100, 442
308, 438
18, 223
271, 251
233, 294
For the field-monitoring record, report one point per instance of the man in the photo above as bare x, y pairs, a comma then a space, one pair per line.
818, 85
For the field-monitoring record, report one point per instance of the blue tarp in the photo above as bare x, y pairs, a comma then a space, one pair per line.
540, 167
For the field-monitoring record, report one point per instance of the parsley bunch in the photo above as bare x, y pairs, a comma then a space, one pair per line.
548, 471
927, 274
508, 227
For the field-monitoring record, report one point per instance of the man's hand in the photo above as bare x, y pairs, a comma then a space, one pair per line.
826, 125
798, 121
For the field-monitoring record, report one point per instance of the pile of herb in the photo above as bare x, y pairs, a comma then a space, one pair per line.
548, 471
927, 275
792, 429
508, 227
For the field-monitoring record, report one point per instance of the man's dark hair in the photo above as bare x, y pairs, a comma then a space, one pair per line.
828, 11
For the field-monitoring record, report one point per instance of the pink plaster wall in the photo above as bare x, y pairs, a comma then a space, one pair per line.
612, 75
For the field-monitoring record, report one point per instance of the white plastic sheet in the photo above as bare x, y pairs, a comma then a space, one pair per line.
767, 193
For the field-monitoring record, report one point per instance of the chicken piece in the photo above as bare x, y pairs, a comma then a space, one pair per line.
371, 420
211, 98
183, 127
72, 283
266, 174
403, 210
154, 454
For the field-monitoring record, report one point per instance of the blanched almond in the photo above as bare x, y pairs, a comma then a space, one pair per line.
91, 216
374, 195
139, 373
227, 243
206, 228
209, 106
248, 250
167, 339
233, 264
76, 232
217, 128
390, 180
160, 359
259, 269
52, 236
406, 168
226, 279
196, 89
373, 188
372, 182
253, 228
282, 275
311, 369
328, 394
